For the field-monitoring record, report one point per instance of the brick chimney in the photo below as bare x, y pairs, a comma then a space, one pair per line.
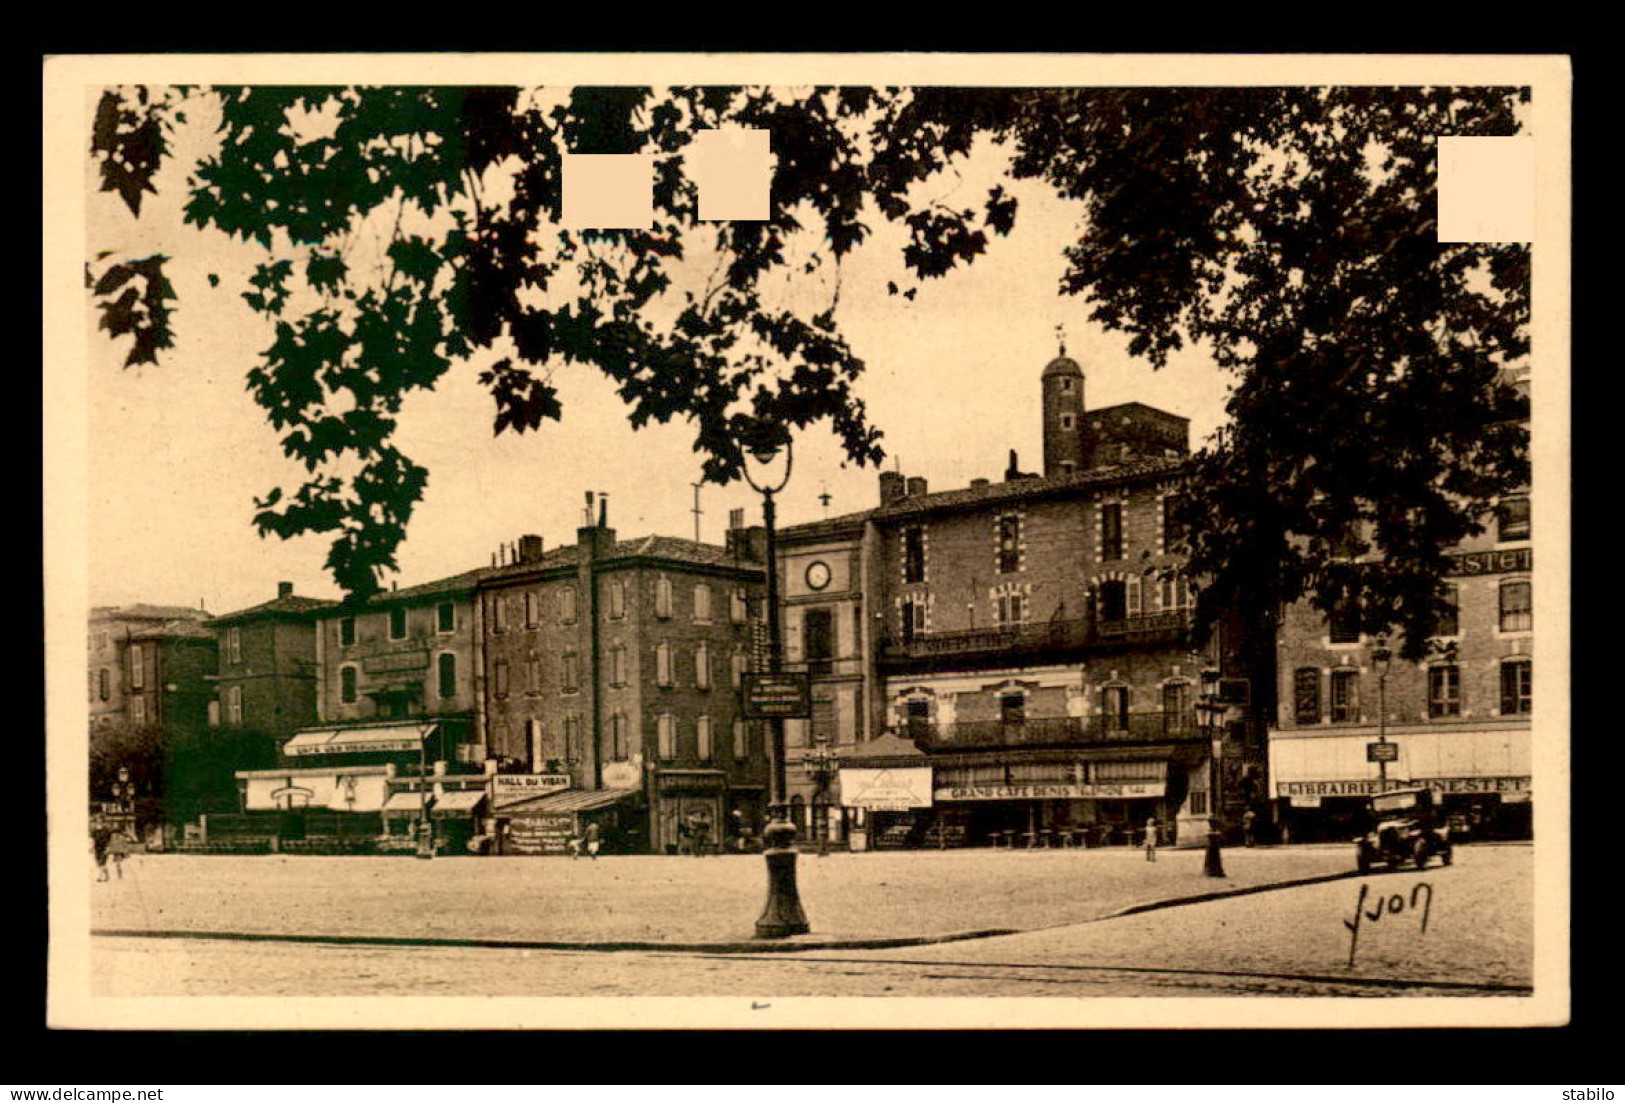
892, 487
530, 548
284, 589
916, 486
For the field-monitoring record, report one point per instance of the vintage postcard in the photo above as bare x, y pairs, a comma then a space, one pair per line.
742, 540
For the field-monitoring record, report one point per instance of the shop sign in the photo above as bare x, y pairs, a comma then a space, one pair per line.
356, 746
786, 696
1493, 562
622, 775
1103, 790
1370, 786
1299, 800
896, 790
1382, 752
540, 833
508, 788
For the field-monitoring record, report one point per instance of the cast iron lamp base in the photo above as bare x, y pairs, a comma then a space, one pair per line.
783, 916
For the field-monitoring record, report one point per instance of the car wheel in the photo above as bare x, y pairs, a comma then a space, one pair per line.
1421, 853
1362, 858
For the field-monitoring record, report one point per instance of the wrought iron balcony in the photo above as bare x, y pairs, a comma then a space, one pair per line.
945, 648
1135, 727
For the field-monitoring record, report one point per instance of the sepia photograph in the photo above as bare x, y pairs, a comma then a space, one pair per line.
766, 541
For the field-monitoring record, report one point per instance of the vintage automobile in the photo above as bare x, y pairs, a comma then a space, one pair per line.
1404, 829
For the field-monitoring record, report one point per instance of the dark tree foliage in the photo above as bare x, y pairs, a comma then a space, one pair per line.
1289, 232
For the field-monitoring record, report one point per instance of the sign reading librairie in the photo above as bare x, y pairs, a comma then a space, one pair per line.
508, 788
787, 696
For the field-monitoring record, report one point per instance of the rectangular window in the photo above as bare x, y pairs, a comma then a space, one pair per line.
1176, 706
138, 709
738, 607
702, 667
1343, 623
1009, 559
214, 714
702, 738
346, 631
618, 750
103, 680
662, 597
567, 605
666, 736
913, 618
1173, 523
663, 665
447, 664
397, 623
1517, 687
532, 609
702, 604
572, 672
741, 741
617, 600
1444, 691
1448, 622
1013, 708
818, 640
234, 705
347, 685
234, 644
914, 555
446, 615
499, 677
737, 667
1517, 607
1009, 609
533, 675
1512, 519
1111, 531
138, 668
1113, 600
572, 738
1114, 708
917, 717
1306, 696
617, 665
1345, 697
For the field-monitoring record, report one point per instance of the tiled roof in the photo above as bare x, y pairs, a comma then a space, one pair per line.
450, 585
828, 526
176, 629
148, 612
671, 549
292, 605
1017, 489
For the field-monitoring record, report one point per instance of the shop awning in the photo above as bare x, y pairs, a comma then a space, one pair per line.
574, 800
359, 740
464, 800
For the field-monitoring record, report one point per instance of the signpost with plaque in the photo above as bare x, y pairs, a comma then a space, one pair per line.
781, 696
1382, 752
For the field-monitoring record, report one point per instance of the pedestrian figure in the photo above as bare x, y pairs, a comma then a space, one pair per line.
592, 841
1248, 819
1151, 839
738, 819
100, 837
117, 848
698, 829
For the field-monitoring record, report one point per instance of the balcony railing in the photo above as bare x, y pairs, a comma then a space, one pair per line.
1040, 636
1135, 727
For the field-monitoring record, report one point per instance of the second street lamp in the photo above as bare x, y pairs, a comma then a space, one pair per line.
782, 916
1381, 659
1210, 711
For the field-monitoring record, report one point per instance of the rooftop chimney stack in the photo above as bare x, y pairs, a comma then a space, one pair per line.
892, 487
530, 548
284, 589
916, 486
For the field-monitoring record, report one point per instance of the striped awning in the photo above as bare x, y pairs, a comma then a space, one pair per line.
462, 800
574, 800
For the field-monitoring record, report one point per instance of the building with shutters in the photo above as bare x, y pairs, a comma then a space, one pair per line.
268, 674
611, 669
1460, 721
1029, 638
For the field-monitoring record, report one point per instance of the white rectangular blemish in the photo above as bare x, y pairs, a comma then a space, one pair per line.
733, 169
1486, 189
608, 191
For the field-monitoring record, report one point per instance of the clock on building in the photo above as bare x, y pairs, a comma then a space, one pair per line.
818, 574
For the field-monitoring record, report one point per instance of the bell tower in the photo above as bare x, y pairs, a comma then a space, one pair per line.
1063, 414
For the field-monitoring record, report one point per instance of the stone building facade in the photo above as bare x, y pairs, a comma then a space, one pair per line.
1031, 636
616, 666
128, 662
267, 665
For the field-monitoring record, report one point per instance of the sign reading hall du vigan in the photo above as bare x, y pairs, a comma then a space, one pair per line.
507, 788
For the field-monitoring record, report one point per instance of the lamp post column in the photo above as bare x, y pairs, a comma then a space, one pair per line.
1211, 709
782, 916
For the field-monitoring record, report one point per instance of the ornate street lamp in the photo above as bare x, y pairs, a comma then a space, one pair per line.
425, 821
1381, 659
782, 916
1209, 713
821, 761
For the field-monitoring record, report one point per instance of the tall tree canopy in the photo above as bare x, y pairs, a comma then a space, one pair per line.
1288, 231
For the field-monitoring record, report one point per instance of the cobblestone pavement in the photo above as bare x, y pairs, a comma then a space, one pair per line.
1286, 942
662, 899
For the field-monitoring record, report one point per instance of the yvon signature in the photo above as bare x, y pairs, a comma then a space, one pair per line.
1421, 899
